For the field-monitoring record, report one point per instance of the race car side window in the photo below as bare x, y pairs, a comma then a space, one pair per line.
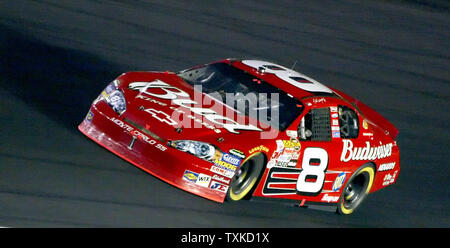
315, 125
348, 123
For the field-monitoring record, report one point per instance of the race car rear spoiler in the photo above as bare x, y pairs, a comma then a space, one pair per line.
371, 115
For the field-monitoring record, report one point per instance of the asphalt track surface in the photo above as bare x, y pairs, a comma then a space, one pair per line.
56, 56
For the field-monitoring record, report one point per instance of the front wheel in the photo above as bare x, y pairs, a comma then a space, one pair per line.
246, 177
356, 189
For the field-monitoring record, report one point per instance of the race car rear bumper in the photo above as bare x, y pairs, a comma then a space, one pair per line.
149, 154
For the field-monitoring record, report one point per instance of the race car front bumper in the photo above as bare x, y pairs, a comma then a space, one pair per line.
175, 167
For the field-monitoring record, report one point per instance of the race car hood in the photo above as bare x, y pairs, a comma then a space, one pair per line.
167, 108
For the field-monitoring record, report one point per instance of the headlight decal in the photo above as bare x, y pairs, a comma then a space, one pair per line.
199, 149
114, 97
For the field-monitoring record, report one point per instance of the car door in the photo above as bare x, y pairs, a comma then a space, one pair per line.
299, 164
315, 134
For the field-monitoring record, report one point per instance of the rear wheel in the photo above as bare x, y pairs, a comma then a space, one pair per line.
356, 189
246, 177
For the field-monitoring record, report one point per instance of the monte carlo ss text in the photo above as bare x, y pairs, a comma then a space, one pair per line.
238, 129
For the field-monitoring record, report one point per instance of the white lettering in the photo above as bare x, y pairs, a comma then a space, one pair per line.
172, 93
327, 198
387, 166
364, 153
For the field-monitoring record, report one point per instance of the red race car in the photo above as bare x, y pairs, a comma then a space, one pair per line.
236, 129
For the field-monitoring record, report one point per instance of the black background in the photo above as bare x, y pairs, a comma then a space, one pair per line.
56, 56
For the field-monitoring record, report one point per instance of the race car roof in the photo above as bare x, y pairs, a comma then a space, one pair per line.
290, 81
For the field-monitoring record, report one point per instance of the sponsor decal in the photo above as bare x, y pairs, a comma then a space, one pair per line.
237, 153
333, 109
389, 179
225, 165
286, 154
292, 144
231, 159
197, 178
319, 100
386, 167
221, 179
203, 180
218, 186
338, 182
190, 176
335, 129
336, 134
181, 98
227, 162
89, 116
110, 88
365, 125
364, 153
292, 133
259, 149
222, 171
328, 198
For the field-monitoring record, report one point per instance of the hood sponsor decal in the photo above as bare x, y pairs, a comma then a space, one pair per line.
364, 153
170, 92
162, 90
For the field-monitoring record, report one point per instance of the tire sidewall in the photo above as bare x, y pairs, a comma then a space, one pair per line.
258, 159
367, 168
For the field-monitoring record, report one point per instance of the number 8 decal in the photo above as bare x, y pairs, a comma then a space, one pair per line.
315, 162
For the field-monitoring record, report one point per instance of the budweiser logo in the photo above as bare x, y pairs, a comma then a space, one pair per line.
364, 153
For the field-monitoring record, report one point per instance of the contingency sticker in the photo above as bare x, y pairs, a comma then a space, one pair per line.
335, 129
286, 154
190, 176
226, 165
197, 178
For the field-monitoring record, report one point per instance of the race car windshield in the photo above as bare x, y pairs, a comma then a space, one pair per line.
250, 93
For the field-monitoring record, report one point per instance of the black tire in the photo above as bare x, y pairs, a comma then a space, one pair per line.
246, 177
356, 189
